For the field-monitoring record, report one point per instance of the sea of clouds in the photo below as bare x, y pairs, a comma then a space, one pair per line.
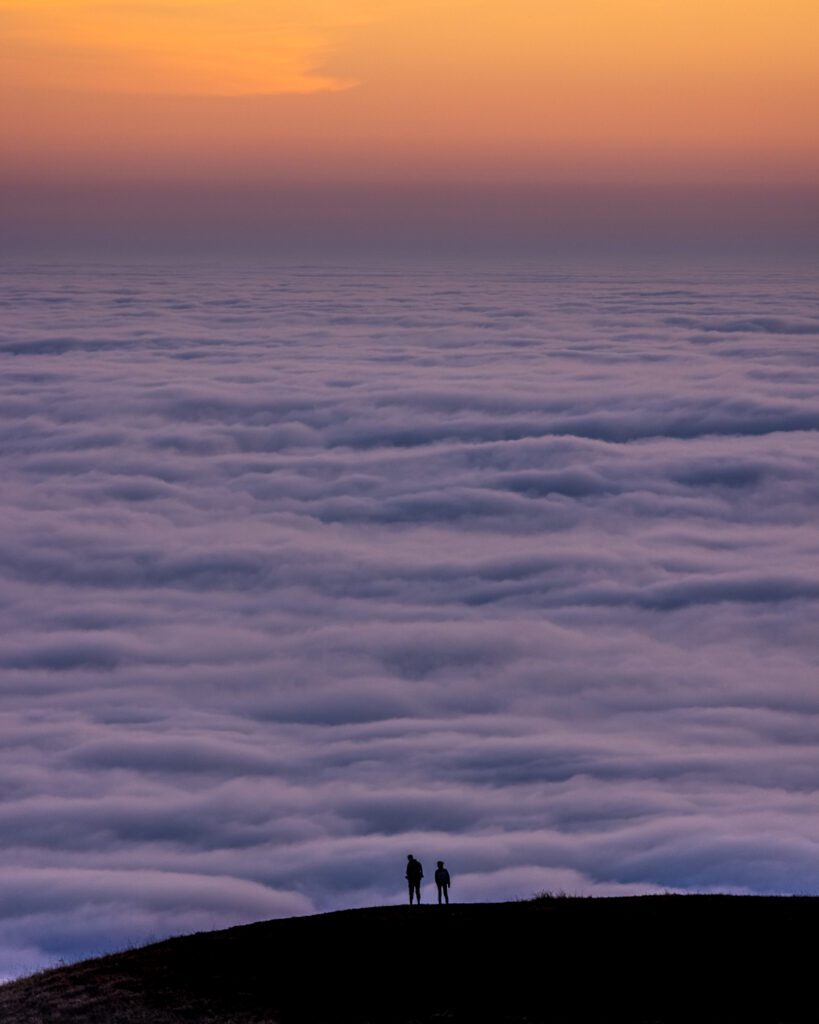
305, 569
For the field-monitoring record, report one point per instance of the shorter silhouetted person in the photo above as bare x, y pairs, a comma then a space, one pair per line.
442, 880
414, 875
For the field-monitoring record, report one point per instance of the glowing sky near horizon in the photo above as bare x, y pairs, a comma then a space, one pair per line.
339, 90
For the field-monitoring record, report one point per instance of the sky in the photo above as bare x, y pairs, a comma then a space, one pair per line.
153, 104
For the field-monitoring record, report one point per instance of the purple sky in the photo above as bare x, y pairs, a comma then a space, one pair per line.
51, 215
305, 569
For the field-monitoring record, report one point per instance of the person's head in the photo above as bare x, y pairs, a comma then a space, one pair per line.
409, 856
440, 863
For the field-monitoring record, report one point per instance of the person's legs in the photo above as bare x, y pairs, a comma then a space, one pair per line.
440, 887
418, 893
410, 887
446, 894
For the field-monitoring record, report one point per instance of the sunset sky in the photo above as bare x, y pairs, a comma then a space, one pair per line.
480, 92
129, 114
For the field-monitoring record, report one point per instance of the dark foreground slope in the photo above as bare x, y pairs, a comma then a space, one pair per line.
649, 959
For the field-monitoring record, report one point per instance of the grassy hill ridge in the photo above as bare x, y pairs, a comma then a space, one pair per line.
642, 960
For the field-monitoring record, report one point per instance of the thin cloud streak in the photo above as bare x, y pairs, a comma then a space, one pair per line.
210, 48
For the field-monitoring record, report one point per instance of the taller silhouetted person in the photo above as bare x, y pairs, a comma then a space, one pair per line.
414, 875
442, 881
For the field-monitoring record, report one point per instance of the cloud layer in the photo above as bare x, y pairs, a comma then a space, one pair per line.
303, 570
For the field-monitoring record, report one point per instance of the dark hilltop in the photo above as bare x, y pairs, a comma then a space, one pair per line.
641, 960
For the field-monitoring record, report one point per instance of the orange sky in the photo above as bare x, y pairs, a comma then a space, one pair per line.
404, 90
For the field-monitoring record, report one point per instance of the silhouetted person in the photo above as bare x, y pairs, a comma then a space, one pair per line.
414, 875
442, 880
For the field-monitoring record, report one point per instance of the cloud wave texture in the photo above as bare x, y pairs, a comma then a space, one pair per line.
303, 570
